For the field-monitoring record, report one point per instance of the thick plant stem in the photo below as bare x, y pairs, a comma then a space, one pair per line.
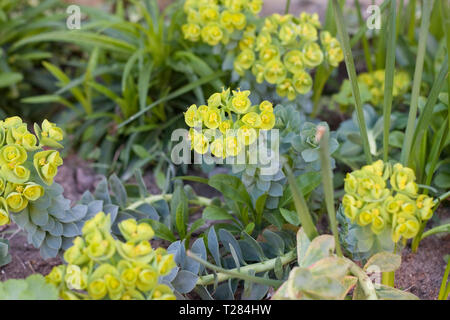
351, 70
416, 241
301, 206
388, 278
323, 135
288, 5
423, 36
224, 274
436, 230
442, 197
364, 280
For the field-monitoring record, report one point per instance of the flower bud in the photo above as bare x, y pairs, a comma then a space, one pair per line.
16, 202
162, 292
33, 191
56, 275
147, 279
97, 289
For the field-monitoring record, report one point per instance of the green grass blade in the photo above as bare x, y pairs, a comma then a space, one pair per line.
323, 135
80, 38
412, 19
64, 80
129, 66
364, 41
399, 18
95, 73
436, 149
350, 64
288, 5
320, 79
445, 17
301, 206
175, 94
443, 290
144, 83
380, 44
389, 77
9, 78
423, 36
427, 112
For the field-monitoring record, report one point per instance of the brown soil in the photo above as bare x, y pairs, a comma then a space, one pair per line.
421, 273
26, 260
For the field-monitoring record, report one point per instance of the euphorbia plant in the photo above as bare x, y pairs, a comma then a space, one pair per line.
384, 199
25, 170
228, 123
101, 267
284, 50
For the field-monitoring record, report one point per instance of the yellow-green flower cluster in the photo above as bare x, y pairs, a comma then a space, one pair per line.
213, 21
285, 50
375, 83
228, 123
384, 196
101, 267
18, 152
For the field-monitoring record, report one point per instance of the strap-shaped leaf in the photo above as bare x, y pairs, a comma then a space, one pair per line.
216, 213
102, 192
389, 293
229, 241
384, 262
119, 190
231, 187
199, 249
213, 246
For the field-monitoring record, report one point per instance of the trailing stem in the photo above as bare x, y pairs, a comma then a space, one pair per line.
242, 273
202, 201
388, 278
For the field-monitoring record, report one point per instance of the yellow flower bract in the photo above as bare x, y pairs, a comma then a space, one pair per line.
382, 196
228, 123
22, 169
100, 267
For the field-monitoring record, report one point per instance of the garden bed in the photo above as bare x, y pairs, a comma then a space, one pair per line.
322, 131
